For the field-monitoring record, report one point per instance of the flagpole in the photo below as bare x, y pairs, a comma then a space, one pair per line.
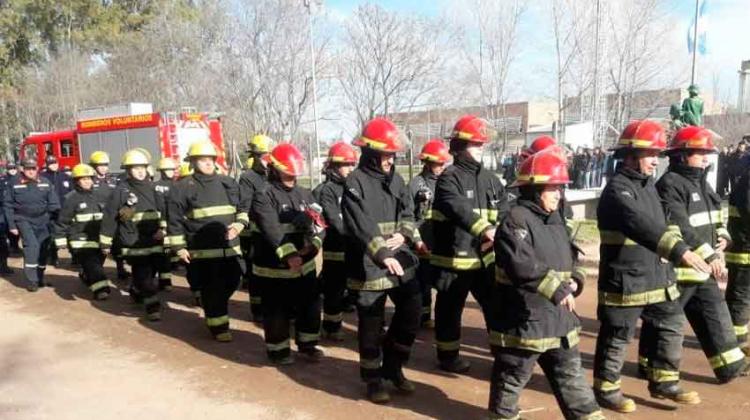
695, 43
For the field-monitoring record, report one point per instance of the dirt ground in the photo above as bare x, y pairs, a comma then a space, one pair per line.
64, 356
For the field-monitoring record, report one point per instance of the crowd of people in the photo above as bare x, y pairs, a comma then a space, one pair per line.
587, 167
452, 230
730, 167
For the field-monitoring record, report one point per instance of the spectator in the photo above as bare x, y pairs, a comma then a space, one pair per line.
722, 172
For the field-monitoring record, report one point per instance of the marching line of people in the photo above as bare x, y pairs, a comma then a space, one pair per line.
365, 236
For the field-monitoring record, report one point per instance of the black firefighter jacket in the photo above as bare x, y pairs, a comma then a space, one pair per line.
468, 200
422, 191
535, 270
739, 214
285, 230
636, 244
80, 219
33, 201
691, 204
251, 181
201, 208
133, 215
375, 206
329, 194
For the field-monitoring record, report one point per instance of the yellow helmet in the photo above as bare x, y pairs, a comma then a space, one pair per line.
135, 157
145, 152
185, 170
99, 158
202, 148
260, 144
82, 170
166, 164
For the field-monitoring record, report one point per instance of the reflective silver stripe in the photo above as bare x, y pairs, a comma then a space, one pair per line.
705, 218
84, 244
278, 346
215, 253
87, 217
136, 252
212, 211
145, 215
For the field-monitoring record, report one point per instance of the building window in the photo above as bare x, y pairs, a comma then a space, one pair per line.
66, 148
29, 151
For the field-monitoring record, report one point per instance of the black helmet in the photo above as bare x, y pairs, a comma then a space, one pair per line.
50, 160
11, 165
28, 163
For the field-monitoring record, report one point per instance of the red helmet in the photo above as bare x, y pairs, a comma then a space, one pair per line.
470, 128
692, 138
380, 134
543, 168
286, 158
642, 135
540, 143
341, 152
435, 151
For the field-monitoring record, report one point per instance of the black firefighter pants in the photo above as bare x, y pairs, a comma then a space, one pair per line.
4, 246
284, 299
164, 269
618, 326
92, 266
562, 367
738, 301
384, 356
36, 239
709, 317
425, 272
453, 288
144, 287
218, 279
253, 284
334, 289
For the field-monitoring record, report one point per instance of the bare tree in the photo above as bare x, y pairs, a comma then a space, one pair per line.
388, 62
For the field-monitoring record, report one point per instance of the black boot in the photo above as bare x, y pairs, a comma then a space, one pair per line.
456, 365
377, 393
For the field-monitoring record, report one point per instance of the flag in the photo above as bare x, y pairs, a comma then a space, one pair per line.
702, 30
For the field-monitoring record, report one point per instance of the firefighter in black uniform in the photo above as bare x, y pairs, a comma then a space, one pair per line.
11, 171
251, 181
106, 183
78, 228
738, 253
532, 318
341, 161
434, 156
62, 184
30, 203
167, 170
691, 204
469, 203
379, 220
635, 278
134, 217
284, 257
4, 240
206, 217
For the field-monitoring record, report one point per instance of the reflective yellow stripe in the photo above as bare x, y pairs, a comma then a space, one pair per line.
479, 226
687, 274
704, 251
705, 218
99, 285
613, 237
532, 344
727, 358
317, 242
285, 250
549, 284
84, 244
448, 345
488, 258
150, 300
88, 217
667, 242
212, 211
278, 347
217, 321
723, 232
741, 258
637, 143
145, 215
61, 242
105, 240
136, 252
407, 226
639, 299
381, 283
436, 215
458, 263
662, 375
387, 228
307, 337
370, 363
333, 256
165, 276
284, 273
242, 217
606, 386
333, 317
175, 240
375, 244
734, 212
643, 361
740, 330
215, 253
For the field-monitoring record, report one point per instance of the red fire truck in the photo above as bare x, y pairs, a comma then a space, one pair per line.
116, 129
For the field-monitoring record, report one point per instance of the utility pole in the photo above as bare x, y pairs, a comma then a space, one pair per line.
595, 117
308, 4
695, 43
